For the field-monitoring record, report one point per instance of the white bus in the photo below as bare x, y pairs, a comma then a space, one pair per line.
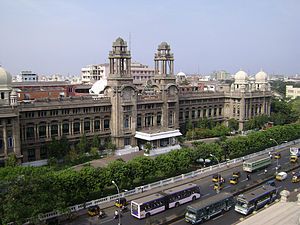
155, 203
257, 163
255, 199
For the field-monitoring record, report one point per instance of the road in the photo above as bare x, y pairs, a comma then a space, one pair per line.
207, 191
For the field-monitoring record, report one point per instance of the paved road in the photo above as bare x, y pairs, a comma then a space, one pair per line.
207, 191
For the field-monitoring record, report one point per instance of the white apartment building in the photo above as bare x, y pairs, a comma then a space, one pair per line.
292, 92
27, 76
93, 73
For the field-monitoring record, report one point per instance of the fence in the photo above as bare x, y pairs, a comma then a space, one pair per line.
167, 181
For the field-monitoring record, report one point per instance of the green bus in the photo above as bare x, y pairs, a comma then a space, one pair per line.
209, 207
257, 163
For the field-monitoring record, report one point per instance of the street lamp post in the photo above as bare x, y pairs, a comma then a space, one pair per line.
219, 174
114, 183
276, 168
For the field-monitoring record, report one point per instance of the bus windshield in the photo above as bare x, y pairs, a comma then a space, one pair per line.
242, 204
191, 215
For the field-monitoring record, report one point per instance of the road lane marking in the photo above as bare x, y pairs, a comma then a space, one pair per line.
243, 180
211, 185
218, 217
279, 187
226, 187
287, 163
260, 173
205, 195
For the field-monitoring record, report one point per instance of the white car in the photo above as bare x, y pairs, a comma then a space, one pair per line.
281, 176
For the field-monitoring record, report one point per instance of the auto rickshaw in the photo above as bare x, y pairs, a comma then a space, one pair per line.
236, 174
296, 178
277, 155
234, 180
93, 210
217, 178
120, 202
293, 158
219, 186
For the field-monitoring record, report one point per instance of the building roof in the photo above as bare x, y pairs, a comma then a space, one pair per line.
279, 213
241, 77
261, 77
5, 78
210, 200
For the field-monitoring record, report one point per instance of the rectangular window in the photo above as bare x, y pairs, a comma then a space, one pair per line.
139, 121
2, 95
106, 124
31, 155
127, 141
158, 119
10, 142
97, 125
43, 152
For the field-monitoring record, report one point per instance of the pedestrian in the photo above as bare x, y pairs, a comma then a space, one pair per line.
266, 171
243, 159
248, 176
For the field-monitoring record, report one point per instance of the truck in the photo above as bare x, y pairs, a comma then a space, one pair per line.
294, 154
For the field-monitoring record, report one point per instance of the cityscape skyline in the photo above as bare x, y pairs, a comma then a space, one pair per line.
51, 37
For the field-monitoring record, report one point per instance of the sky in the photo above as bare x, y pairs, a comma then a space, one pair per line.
62, 36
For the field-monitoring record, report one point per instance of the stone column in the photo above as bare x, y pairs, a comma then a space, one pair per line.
16, 137
298, 196
60, 130
284, 195
47, 130
81, 126
71, 128
35, 131
4, 137
93, 125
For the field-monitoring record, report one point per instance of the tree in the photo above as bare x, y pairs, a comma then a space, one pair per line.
11, 160
96, 142
233, 124
82, 146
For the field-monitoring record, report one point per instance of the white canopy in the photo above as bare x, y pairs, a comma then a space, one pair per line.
157, 136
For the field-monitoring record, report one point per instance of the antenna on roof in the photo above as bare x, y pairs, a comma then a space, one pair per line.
129, 41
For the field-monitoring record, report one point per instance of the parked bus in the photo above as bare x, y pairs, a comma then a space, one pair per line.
256, 164
155, 203
255, 199
209, 207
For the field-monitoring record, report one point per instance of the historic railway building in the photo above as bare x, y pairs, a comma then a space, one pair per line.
129, 115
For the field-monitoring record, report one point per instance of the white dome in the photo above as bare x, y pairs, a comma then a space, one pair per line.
98, 86
181, 74
241, 77
261, 77
5, 78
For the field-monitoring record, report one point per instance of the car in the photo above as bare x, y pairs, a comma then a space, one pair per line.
93, 210
121, 202
277, 155
236, 174
217, 178
234, 180
296, 178
281, 176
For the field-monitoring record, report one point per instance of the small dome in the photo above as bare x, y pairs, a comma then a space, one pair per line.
120, 42
241, 77
164, 46
261, 77
182, 74
98, 86
5, 78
